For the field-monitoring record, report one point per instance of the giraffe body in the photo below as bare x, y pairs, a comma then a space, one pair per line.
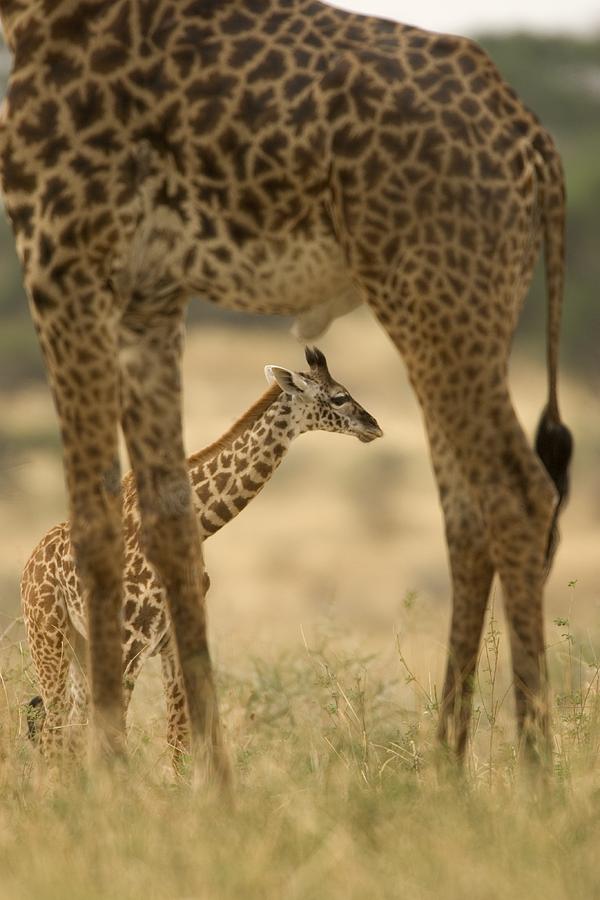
282, 156
225, 477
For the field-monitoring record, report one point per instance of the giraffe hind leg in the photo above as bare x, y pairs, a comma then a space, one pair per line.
514, 502
47, 714
517, 501
35, 714
465, 396
47, 629
471, 571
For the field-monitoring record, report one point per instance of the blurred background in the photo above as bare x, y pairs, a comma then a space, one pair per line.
347, 539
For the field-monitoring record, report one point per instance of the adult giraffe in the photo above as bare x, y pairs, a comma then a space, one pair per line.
281, 156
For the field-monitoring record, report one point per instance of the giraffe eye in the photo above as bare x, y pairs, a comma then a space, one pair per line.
339, 399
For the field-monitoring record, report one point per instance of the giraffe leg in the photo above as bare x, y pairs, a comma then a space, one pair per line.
452, 315
78, 340
471, 572
516, 501
178, 732
78, 708
457, 364
519, 511
178, 727
49, 639
79, 691
151, 393
51, 661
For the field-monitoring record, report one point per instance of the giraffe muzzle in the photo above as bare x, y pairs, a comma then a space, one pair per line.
369, 431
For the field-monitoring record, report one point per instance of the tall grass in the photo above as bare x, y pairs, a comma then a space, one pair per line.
338, 790
338, 793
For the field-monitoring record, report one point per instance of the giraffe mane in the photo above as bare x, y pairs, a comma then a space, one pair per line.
128, 486
239, 426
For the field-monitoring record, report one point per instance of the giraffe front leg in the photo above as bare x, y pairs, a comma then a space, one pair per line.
178, 731
79, 343
79, 707
178, 726
78, 689
151, 391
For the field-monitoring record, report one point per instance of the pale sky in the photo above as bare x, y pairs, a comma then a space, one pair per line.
473, 16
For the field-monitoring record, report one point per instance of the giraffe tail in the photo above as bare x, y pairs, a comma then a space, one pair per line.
554, 442
34, 714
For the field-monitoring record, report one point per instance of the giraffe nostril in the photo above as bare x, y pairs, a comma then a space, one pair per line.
369, 428
370, 421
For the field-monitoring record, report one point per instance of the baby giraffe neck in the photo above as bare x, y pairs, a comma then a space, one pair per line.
227, 475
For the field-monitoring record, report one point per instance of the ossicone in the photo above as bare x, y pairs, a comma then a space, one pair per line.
315, 358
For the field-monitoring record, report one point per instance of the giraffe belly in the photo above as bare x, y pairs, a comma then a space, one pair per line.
295, 276
144, 610
299, 272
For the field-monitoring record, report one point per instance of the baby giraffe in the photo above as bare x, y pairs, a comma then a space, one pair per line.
225, 477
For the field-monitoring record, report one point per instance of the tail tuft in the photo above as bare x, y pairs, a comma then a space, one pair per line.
34, 714
554, 446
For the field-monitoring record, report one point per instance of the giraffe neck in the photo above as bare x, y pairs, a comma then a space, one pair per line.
227, 475
12, 14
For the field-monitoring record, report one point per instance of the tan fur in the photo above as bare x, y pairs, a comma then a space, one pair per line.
280, 157
225, 477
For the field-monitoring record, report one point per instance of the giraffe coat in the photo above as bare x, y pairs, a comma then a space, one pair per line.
282, 156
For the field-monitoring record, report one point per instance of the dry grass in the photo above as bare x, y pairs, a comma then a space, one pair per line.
337, 795
329, 615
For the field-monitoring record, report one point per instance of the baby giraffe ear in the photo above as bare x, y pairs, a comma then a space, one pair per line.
289, 382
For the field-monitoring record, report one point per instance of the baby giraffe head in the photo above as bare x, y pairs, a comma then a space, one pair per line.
322, 403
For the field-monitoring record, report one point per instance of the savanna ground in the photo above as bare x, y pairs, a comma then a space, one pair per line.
329, 612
